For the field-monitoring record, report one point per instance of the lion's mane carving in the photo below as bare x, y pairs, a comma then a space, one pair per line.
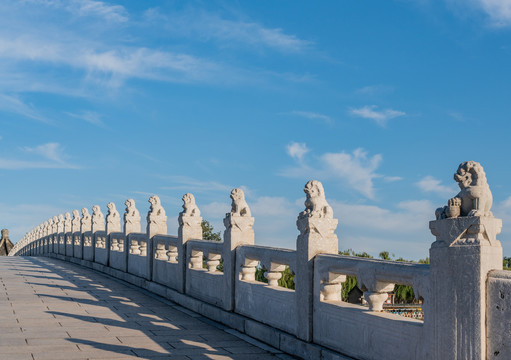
156, 212
239, 206
131, 214
190, 208
315, 202
98, 219
112, 217
86, 219
474, 198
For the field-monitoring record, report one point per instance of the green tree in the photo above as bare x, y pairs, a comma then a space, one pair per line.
208, 233
384, 255
506, 263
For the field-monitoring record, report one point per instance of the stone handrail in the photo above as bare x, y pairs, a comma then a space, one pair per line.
461, 310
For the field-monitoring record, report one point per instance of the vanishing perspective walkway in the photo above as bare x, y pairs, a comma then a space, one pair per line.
50, 309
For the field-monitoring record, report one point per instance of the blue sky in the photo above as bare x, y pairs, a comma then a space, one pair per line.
379, 100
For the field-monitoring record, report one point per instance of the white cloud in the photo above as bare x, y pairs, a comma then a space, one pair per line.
374, 89
411, 216
89, 116
206, 26
14, 104
430, 184
392, 178
379, 116
117, 64
313, 116
100, 9
497, 11
297, 150
358, 170
192, 185
51, 151
53, 154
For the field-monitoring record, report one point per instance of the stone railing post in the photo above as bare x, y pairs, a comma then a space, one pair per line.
189, 228
238, 231
316, 225
113, 219
156, 218
465, 250
131, 218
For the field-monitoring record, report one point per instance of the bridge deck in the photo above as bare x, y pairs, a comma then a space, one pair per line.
51, 309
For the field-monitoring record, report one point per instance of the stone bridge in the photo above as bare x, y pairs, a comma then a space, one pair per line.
201, 299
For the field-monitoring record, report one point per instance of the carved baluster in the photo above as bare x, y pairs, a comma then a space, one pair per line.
134, 247
115, 244
121, 245
172, 254
196, 259
213, 261
248, 270
375, 291
161, 252
274, 274
331, 289
143, 248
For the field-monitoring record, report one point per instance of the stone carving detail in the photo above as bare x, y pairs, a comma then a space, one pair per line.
98, 219
86, 221
75, 223
190, 208
55, 225
67, 222
113, 219
131, 217
474, 198
316, 205
60, 222
46, 228
239, 206
156, 218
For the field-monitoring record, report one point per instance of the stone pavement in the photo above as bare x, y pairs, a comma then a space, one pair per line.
50, 309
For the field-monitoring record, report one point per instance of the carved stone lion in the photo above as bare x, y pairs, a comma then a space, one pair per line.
156, 212
131, 214
474, 198
239, 206
315, 202
190, 208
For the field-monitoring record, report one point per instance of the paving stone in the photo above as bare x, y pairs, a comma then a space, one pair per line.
53, 310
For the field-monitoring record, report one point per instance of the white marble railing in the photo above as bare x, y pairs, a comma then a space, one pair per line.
311, 321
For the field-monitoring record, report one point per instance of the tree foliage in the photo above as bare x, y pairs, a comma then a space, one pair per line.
208, 233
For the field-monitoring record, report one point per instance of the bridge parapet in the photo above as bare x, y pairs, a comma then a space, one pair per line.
311, 321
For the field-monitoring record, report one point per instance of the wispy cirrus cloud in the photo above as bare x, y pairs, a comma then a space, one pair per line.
100, 9
313, 116
14, 104
374, 89
88, 116
48, 156
381, 117
498, 12
207, 26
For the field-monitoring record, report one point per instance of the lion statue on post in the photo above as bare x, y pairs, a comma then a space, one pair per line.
190, 208
239, 206
474, 198
315, 202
